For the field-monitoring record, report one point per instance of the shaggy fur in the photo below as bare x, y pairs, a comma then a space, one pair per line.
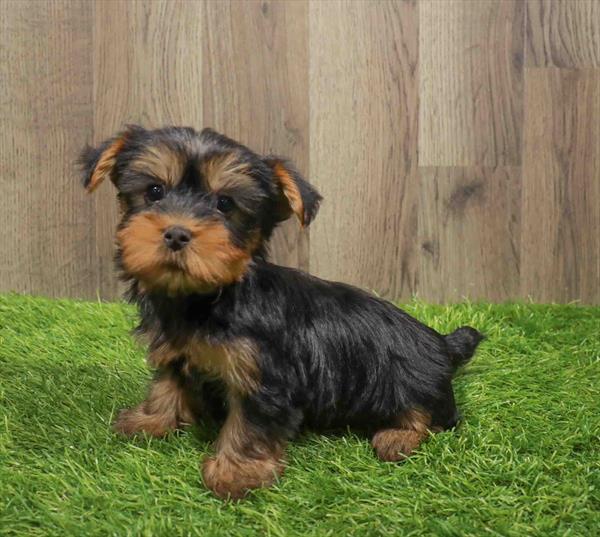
266, 348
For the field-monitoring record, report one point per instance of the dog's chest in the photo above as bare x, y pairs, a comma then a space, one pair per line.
233, 362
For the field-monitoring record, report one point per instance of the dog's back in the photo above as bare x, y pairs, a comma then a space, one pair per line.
348, 357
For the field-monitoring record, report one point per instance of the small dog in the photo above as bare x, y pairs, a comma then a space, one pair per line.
269, 349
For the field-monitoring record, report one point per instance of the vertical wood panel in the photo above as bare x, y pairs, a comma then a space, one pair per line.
561, 190
469, 232
148, 70
256, 89
45, 113
471, 57
364, 99
377, 85
563, 33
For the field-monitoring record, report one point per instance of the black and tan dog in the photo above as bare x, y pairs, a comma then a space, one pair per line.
269, 348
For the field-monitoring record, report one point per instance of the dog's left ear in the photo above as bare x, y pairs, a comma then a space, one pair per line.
296, 195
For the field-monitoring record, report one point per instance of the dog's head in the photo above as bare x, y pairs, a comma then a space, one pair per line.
197, 206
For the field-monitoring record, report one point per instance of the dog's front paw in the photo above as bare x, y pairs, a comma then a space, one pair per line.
230, 478
132, 421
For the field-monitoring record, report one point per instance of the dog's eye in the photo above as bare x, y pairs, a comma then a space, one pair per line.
155, 192
225, 204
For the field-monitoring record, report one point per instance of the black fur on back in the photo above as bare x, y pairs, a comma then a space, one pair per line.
329, 354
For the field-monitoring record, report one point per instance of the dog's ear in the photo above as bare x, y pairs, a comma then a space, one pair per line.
98, 163
296, 195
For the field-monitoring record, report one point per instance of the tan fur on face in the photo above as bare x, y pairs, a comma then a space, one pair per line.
398, 442
161, 162
233, 362
290, 191
106, 163
164, 410
224, 172
244, 461
208, 262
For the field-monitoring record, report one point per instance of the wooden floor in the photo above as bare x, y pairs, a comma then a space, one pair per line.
456, 142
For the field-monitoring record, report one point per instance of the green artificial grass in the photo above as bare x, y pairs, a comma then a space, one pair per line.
523, 462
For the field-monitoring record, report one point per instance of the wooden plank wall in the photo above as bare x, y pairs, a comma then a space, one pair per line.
456, 142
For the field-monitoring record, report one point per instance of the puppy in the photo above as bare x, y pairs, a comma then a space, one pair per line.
268, 349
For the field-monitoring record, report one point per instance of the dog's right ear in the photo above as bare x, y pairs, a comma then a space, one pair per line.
98, 163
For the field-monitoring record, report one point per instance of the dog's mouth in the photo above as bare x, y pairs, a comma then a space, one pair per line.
174, 263
208, 261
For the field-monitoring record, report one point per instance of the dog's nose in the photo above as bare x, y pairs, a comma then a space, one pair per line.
177, 237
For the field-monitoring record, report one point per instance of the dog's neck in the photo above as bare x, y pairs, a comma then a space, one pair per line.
181, 315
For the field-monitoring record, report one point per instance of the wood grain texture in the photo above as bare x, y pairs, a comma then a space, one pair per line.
147, 72
456, 142
255, 77
563, 33
560, 249
45, 112
469, 233
471, 62
363, 92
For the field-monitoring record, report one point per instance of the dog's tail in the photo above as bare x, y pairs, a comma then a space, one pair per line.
462, 344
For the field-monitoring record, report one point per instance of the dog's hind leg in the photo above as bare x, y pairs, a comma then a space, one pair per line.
445, 414
405, 434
